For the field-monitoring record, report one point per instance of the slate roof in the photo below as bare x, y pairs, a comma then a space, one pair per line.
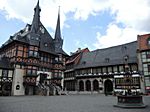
76, 55
109, 56
37, 35
61, 51
58, 39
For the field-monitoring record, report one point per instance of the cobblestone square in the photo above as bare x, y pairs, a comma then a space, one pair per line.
66, 103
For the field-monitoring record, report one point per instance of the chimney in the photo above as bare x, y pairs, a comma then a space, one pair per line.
79, 49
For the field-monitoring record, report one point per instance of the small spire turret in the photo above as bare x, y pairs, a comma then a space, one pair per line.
58, 39
36, 18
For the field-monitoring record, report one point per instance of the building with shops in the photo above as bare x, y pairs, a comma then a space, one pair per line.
71, 63
95, 70
144, 58
36, 60
6, 76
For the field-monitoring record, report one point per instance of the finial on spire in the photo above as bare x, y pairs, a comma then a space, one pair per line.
37, 7
59, 9
58, 32
58, 38
38, 2
36, 18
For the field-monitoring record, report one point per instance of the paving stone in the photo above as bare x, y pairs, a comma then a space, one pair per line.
65, 103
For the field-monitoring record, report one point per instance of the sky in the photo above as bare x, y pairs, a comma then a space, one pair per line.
94, 24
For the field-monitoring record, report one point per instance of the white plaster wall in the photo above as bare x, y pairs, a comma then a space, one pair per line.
0, 72
62, 81
10, 73
142, 84
140, 66
18, 80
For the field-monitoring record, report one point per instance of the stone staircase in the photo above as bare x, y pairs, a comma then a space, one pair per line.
42, 89
50, 89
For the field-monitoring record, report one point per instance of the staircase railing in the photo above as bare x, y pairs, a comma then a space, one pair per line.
47, 89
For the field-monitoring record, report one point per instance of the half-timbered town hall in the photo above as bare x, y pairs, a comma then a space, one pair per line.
34, 61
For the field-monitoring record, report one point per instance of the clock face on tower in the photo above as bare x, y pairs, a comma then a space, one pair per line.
42, 29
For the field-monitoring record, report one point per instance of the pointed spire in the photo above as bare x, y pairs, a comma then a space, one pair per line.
36, 18
58, 32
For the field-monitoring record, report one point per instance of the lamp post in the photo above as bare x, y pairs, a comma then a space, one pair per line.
128, 77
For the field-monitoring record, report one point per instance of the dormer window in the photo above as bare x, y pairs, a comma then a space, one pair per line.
32, 38
27, 28
107, 60
42, 29
126, 58
37, 38
84, 62
124, 49
45, 44
148, 41
21, 31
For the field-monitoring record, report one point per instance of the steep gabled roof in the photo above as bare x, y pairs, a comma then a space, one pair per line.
109, 56
61, 51
75, 57
37, 35
36, 19
58, 31
58, 39
143, 42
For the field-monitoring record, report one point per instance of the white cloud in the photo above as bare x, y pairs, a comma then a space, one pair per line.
18, 9
132, 14
83, 8
23, 9
116, 36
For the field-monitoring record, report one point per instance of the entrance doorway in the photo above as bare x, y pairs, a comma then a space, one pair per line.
6, 88
30, 90
88, 85
81, 86
108, 87
95, 85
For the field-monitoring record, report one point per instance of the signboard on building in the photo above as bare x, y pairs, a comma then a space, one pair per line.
127, 82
